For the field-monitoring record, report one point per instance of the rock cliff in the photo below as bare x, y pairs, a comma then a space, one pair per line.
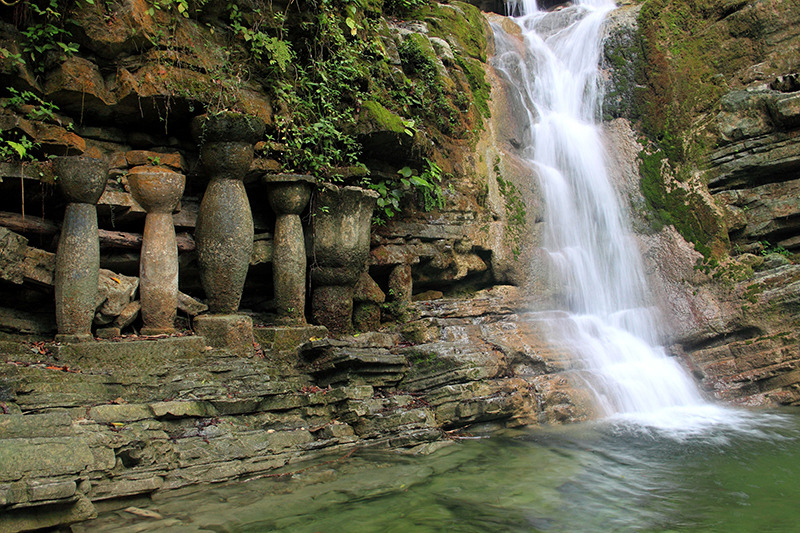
711, 89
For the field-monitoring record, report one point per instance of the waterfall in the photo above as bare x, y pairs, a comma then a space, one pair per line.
608, 322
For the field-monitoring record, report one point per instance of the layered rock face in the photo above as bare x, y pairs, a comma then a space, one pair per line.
733, 191
83, 425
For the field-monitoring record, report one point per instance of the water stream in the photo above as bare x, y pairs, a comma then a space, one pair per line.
609, 324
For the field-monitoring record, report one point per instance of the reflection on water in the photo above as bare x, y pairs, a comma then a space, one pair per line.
604, 476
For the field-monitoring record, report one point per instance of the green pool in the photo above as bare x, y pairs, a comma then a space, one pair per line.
741, 475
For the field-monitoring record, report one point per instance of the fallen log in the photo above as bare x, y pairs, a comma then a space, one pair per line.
27, 224
133, 241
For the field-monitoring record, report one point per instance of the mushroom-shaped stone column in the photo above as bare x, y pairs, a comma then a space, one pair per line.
224, 231
158, 191
341, 236
82, 180
288, 195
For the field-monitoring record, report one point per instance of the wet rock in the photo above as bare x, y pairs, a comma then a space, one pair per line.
20, 262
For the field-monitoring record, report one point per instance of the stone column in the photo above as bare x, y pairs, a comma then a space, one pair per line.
82, 180
158, 191
288, 195
224, 231
342, 225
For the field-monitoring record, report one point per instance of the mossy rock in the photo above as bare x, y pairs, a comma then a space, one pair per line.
376, 118
692, 214
419, 58
460, 24
475, 73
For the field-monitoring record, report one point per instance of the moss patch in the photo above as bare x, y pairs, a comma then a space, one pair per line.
681, 206
375, 117
462, 25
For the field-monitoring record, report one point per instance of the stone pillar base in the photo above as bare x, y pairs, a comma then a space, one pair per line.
231, 332
286, 338
332, 307
366, 316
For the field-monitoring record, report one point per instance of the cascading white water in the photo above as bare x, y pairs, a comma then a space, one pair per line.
608, 323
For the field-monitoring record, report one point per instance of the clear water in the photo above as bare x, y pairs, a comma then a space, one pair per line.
610, 325
605, 476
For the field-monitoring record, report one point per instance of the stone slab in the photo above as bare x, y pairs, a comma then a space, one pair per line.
43, 490
107, 414
30, 426
134, 355
284, 338
118, 488
43, 456
178, 409
41, 517
231, 332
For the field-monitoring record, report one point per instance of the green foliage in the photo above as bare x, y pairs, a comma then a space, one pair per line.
680, 74
47, 34
16, 59
516, 215
425, 96
35, 108
320, 98
424, 360
263, 46
15, 146
179, 6
728, 272
312, 132
427, 186
476, 77
403, 7
680, 206
767, 249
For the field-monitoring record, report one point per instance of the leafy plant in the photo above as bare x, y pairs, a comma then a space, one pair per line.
37, 108
263, 46
16, 146
767, 249
402, 7
180, 6
427, 185
321, 99
47, 34
16, 59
